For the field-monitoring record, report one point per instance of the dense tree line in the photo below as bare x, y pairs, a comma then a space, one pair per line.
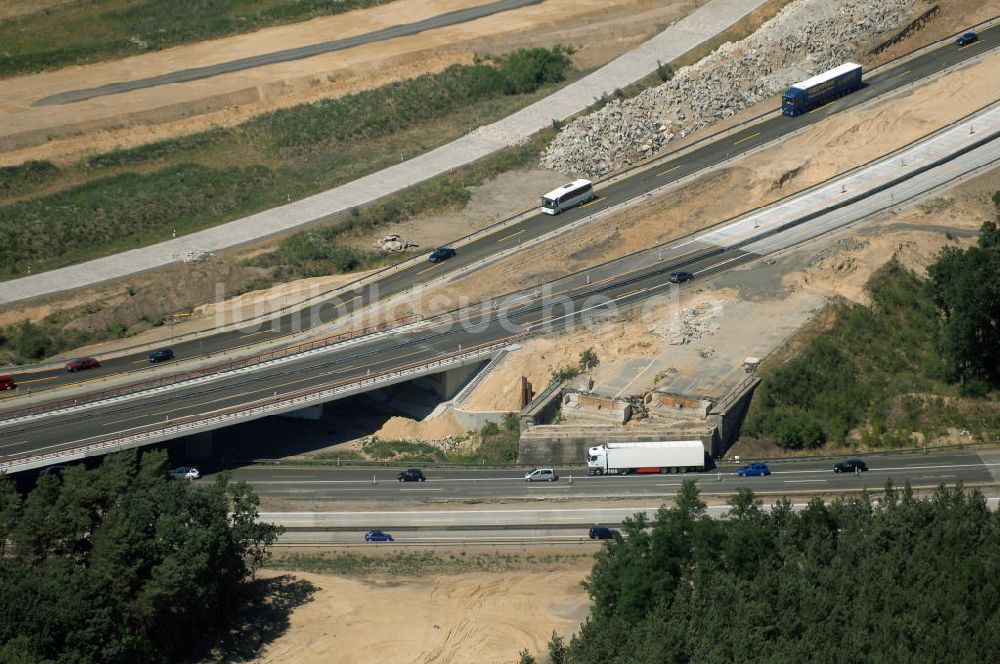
966, 288
939, 335
122, 563
897, 579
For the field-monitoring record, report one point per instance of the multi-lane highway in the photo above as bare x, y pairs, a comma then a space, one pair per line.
604, 290
465, 484
572, 299
643, 180
465, 507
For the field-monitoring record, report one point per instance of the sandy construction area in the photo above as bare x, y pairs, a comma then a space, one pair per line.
461, 618
61, 133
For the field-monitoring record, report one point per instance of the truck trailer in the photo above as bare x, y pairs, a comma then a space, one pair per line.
674, 456
821, 88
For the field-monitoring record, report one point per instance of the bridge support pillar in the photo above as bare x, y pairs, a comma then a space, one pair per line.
199, 446
448, 383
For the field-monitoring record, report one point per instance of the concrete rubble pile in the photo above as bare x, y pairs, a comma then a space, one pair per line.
691, 323
805, 38
394, 243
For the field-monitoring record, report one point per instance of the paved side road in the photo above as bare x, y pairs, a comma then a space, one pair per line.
703, 24
289, 55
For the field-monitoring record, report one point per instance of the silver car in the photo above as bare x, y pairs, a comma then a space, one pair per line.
541, 475
186, 473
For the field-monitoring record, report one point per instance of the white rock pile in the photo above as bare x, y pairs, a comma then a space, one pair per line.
805, 38
690, 323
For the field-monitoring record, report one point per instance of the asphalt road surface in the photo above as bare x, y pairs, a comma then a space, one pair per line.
288, 55
539, 224
575, 299
521, 314
464, 484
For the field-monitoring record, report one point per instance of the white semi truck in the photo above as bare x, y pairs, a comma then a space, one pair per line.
674, 456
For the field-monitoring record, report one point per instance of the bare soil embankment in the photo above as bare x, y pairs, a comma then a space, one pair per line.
64, 133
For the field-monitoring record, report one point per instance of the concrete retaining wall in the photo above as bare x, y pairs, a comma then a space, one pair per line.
727, 415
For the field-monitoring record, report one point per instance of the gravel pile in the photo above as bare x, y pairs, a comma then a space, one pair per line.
807, 37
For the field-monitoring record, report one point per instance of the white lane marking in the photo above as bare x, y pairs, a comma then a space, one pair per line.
13, 444
802, 481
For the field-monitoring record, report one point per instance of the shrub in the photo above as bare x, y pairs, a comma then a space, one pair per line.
16, 180
665, 72
565, 373
975, 388
588, 360
526, 70
796, 431
489, 429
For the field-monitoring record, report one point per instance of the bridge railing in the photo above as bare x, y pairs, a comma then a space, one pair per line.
277, 404
222, 367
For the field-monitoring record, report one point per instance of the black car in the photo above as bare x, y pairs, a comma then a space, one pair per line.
967, 39
850, 466
441, 254
680, 277
603, 533
411, 475
161, 355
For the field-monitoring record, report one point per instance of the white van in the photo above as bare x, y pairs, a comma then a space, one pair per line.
541, 475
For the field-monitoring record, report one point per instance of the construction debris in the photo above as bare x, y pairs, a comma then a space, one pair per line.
394, 242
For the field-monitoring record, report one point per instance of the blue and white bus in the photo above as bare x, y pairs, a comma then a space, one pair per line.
568, 195
821, 88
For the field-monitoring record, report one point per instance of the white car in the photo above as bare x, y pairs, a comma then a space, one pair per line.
186, 473
541, 475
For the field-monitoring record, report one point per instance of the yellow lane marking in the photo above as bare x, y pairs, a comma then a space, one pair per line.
962, 48
747, 138
820, 108
36, 380
669, 170
429, 268
253, 334
591, 202
511, 235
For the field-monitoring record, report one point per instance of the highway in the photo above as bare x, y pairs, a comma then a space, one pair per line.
605, 291
534, 226
470, 507
790, 478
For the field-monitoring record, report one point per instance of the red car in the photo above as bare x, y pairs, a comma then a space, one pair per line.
82, 363
7, 383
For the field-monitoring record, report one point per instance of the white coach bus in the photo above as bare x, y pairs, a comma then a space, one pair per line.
568, 195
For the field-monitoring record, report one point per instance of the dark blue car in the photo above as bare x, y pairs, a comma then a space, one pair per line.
161, 355
967, 38
377, 536
753, 470
441, 254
